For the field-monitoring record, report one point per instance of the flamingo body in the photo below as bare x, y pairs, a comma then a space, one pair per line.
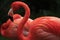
45, 28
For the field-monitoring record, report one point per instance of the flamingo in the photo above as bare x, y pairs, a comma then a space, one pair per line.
43, 28
9, 29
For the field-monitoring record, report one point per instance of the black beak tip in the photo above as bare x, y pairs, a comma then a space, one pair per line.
11, 18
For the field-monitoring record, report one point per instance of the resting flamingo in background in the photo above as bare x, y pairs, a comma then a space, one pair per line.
9, 29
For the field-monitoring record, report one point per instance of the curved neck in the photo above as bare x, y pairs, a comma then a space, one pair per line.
25, 18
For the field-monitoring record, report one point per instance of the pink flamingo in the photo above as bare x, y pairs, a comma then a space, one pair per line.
42, 28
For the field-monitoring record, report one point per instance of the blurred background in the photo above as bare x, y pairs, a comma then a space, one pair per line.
38, 8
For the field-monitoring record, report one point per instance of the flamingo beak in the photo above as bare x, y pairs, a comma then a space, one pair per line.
10, 14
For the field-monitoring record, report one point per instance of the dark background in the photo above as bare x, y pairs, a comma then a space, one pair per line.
38, 8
